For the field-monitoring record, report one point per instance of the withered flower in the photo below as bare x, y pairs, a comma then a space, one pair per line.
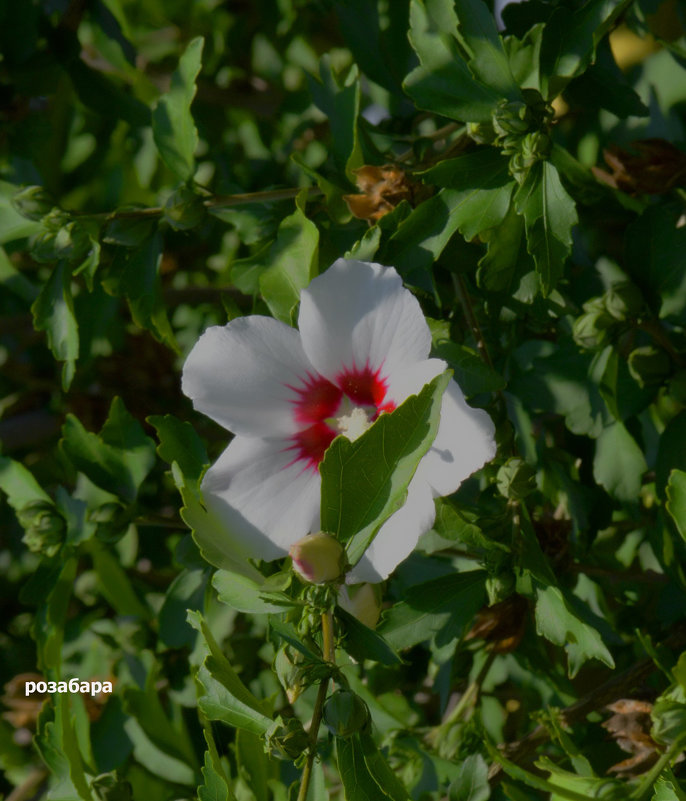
22, 710
381, 189
648, 167
630, 728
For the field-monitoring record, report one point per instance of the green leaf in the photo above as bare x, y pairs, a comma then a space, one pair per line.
114, 583
365, 774
619, 463
549, 216
15, 281
362, 643
556, 621
57, 744
215, 786
254, 766
499, 267
53, 312
365, 482
655, 255
224, 697
487, 59
292, 263
476, 198
570, 39
57, 584
173, 128
187, 591
676, 499
444, 605
671, 453
118, 459
667, 791
472, 782
471, 372
382, 51
443, 82
19, 484
180, 445
138, 281
338, 96
243, 593
12, 224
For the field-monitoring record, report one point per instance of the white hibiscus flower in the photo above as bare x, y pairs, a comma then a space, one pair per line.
361, 350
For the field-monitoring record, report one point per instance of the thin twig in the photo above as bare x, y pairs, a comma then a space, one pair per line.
466, 303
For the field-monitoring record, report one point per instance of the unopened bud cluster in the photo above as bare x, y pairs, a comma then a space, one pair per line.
521, 128
603, 317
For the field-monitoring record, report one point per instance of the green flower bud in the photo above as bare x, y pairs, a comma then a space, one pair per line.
345, 713
623, 300
33, 202
44, 527
286, 739
516, 479
650, 366
512, 117
482, 133
70, 242
593, 329
112, 521
318, 558
184, 209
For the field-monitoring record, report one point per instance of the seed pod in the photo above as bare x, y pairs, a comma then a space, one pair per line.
345, 713
112, 520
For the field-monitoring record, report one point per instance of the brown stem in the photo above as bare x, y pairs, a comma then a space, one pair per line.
270, 195
468, 309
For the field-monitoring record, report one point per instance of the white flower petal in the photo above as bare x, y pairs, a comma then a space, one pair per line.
412, 378
398, 536
266, 501
464, 443
239, 375
358, 315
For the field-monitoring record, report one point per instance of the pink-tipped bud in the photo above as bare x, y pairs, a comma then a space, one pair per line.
318, 558
363, 601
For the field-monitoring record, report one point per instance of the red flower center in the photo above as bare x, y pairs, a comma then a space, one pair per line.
318, 400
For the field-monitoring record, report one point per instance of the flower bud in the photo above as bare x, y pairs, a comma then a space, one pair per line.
112, 521
482, 133
33, 202
345, 713
43, 526
516, 479
286, 739
363, 601
592, 330
623, 300
318, 558
650, 366
184, 209
500, 587
511, 117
